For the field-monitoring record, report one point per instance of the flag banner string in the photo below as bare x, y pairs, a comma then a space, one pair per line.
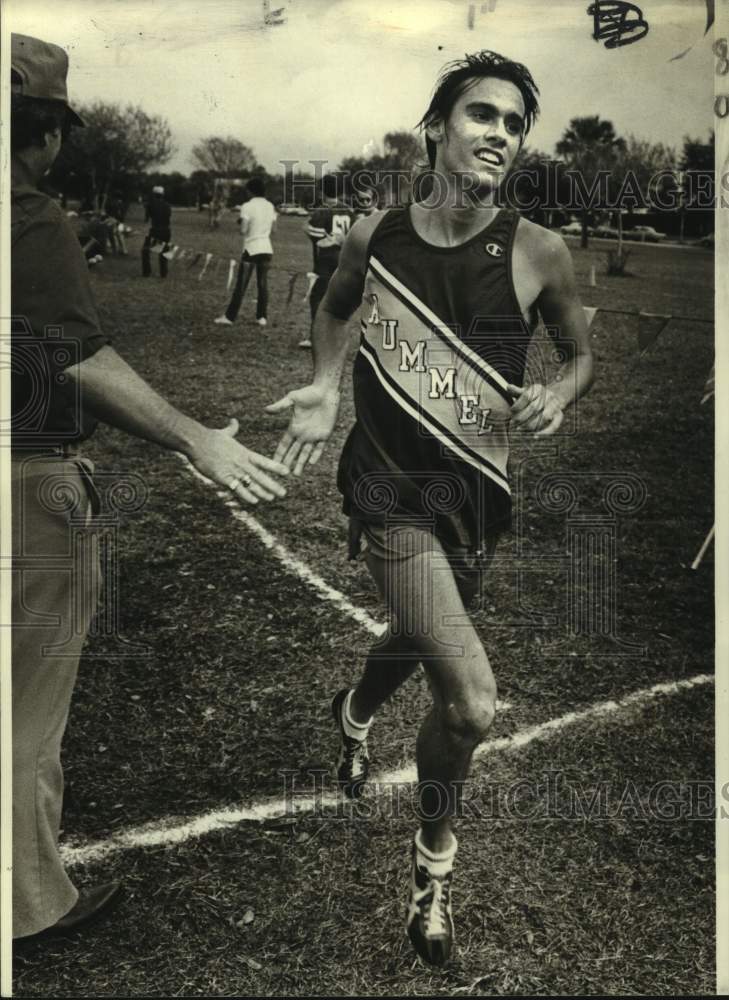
650, 325
213, 263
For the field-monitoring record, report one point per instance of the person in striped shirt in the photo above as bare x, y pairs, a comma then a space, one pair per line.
327, 228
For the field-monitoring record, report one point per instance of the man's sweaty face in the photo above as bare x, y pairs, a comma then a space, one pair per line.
483, 133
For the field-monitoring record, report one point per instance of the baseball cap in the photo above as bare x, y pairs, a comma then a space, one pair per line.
42, 68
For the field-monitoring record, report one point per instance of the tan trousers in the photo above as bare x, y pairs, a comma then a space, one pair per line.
56, 586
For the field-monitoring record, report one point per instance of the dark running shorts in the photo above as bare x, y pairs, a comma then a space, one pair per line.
405, 541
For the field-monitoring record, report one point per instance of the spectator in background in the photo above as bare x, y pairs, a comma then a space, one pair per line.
257, 219
92, 235
157, 213
364, 204
326, 229
115, 212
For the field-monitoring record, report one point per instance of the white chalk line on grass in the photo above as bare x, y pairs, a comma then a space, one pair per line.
289, 561
162, 834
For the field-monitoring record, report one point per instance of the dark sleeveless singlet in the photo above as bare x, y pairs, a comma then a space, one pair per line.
441, 336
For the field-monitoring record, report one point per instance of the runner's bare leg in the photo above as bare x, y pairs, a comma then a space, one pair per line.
422, 592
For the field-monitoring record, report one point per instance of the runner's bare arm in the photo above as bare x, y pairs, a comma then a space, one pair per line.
315, 406
539, 408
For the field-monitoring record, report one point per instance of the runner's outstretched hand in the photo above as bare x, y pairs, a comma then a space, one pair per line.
313, 416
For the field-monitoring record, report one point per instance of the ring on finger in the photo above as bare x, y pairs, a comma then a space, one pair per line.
246, 480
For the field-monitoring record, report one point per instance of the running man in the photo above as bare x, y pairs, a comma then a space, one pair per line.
450, 288
326, 229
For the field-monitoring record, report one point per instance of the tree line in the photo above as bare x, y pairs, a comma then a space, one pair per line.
120, 148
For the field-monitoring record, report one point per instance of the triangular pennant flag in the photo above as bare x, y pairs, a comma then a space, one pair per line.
292, 284
208, 258
170, 254
704, 546
590, 313
649, 330
231, 273
311, 278
709, 387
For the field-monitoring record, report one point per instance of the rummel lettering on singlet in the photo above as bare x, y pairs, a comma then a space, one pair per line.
442, 383
412, 359
389, 334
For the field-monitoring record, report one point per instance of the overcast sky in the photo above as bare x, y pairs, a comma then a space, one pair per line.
337, 74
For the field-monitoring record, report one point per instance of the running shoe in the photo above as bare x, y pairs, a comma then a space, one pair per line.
354, 763
429, 917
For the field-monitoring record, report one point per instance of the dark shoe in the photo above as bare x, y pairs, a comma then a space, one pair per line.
92, 904
353, 765
429, 917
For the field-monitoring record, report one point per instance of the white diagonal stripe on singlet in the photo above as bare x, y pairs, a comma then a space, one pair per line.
442, 435
459, 345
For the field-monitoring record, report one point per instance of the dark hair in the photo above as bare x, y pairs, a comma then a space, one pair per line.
456, 77
257, 186
330, 185
32, 117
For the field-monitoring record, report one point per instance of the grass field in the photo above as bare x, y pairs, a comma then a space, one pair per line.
241, 658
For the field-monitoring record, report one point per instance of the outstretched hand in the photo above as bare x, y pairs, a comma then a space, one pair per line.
313, 416
218, 456
536, 408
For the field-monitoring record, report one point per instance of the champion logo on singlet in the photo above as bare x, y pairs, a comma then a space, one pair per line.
494, 249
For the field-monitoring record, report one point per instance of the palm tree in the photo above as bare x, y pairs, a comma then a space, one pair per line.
644, 161
589, 145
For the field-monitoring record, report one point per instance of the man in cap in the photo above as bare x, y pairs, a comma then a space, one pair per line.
66, 376
157, 213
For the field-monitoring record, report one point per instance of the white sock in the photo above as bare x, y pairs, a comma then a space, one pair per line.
355, 730
437, 864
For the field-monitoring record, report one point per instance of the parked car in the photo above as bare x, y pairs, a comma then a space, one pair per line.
707, 241
575, 229
606, 233
292, 209
645, 233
